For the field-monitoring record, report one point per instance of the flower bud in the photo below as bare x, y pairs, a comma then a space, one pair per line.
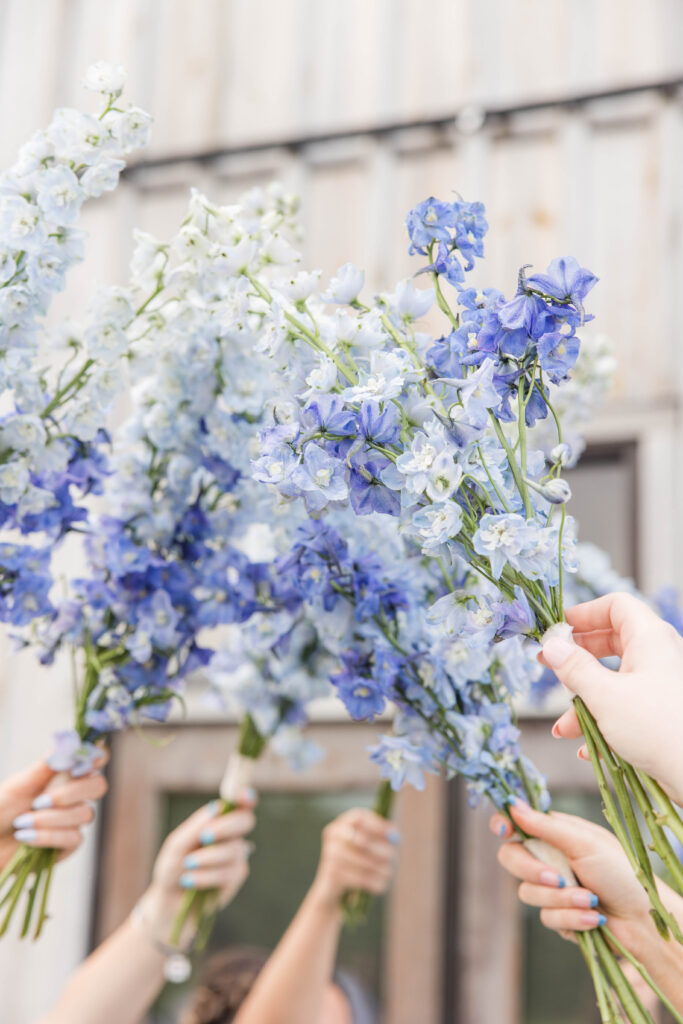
561, 454
555, 491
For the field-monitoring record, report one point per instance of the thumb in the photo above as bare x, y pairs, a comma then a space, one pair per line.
558, 830
578, 670
31, 781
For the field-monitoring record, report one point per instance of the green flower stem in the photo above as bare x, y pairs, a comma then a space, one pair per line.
356, 903
666, 812
627, 831
49, 863
500, 497
312, 339
10, 869
443, 303
514, 467
404, 344
629, 999
615, 1008
72, 385
33, 892
23, 872
26, 862
600, 985
647, 876
645, 975
659, 837
560, 587
201, 905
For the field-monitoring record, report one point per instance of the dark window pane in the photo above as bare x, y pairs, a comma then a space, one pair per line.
604, 502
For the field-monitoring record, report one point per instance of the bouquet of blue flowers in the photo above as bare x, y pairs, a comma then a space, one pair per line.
57, 386
173, 562
438, 433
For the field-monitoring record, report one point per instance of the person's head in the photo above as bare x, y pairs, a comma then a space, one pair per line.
226, 981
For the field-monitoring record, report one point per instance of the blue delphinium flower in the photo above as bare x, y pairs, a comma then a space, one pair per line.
401, 761
360, 693
565, 280
429, 221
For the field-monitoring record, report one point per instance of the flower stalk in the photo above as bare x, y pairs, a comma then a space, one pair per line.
356, 903
200, 907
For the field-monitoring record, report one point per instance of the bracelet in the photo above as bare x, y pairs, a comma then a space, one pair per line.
177, 964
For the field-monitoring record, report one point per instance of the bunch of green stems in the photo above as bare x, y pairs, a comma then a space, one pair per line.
201, 906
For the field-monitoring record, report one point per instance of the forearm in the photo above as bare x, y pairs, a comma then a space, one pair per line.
291, 987
115, 985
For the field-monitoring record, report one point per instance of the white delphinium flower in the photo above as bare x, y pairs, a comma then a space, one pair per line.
346, 286
105, 78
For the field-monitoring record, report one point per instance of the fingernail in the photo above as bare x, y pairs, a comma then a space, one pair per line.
23, 821
250, 848
556, 731
187, 882
511, 800
394, 836
42, 802
26, 835
602, 920
207, 837
556, 652
502, 831
584, 899
249, 795
191, 862
582, 753
213, 808
552, 878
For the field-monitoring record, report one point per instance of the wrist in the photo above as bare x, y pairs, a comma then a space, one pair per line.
325, 898
159, 908
173, 960
638, 934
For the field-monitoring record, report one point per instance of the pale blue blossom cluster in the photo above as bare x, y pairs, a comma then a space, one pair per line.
437, 435
176, 558
56, 388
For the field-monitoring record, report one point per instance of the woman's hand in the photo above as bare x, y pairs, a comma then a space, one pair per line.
639, 708
608, 890
43, 809
208, 851
358, 852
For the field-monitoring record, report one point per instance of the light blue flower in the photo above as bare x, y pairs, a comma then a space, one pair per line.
435, 524
503, 538
401, 761
320, 478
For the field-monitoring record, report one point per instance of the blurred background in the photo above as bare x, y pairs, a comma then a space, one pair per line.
566, 119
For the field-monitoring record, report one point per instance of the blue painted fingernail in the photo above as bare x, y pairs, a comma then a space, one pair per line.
502, 830
594, 900
42, 802
394, 836
213, 808
512, 800
601, 920
23, 821
187, 882
207, 837
191, 862
26, 835
249, 795
562, 882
